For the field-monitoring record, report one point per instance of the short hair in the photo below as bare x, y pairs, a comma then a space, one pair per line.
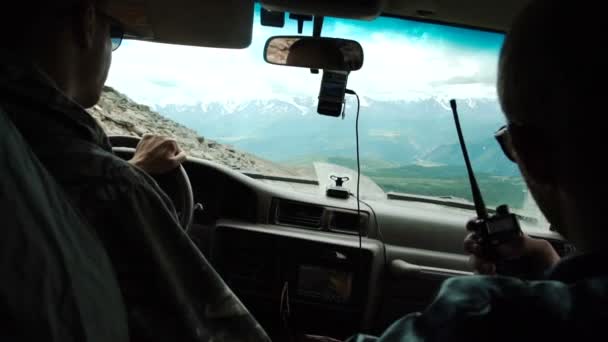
28, 19
551, 69
551, 79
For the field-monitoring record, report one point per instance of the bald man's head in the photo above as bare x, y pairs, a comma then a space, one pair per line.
551, 77
550, 64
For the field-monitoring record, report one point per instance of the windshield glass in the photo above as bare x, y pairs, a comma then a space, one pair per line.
230, 107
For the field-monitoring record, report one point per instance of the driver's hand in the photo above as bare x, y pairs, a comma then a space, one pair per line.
157, 155
539, 252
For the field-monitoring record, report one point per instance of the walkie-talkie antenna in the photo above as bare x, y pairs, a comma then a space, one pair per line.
480, 206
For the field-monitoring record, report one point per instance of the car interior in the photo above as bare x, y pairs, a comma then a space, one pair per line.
326, 255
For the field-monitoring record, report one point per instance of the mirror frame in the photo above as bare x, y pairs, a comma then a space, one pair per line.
267, 44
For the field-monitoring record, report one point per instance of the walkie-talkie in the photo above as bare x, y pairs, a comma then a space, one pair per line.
495, 229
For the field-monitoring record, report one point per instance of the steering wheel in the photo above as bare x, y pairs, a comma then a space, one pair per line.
175, 183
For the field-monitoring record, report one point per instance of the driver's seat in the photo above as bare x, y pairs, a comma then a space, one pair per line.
56, 281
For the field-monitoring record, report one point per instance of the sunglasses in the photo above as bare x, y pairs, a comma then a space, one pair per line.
504, 140
117, 31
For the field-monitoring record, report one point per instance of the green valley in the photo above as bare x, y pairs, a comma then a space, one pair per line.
445, 180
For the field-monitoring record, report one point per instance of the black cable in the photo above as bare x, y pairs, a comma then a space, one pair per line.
373, 212
380, 236
351, 92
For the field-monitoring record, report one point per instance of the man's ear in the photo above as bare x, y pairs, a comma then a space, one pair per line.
84, 26
534, 154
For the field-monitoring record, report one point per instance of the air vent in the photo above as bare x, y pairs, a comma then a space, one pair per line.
348, 222
562, 248
298, 214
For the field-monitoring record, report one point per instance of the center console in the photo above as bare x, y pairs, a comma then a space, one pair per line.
299, 281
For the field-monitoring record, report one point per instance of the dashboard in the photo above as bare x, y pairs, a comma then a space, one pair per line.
303, 262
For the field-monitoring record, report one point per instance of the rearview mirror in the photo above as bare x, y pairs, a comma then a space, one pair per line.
314, 53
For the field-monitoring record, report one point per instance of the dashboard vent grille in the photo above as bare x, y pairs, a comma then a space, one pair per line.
348, 223
298, 214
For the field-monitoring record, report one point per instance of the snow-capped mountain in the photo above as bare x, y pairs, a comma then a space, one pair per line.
289, 128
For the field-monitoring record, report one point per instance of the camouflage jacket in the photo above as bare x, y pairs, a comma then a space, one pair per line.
570, 305
171, 291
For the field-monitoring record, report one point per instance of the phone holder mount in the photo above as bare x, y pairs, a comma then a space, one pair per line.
332, 93
339, 180
338, 191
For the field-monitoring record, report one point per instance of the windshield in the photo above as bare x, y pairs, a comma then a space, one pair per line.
261, 118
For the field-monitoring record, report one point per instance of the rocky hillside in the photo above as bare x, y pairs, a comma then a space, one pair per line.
119, 115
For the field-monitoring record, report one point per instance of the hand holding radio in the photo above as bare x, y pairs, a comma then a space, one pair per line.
538, 254
496, 242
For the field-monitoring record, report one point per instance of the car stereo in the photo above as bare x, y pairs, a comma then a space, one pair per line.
319, 283
324, 284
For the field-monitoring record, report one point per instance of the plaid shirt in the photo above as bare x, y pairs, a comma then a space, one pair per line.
171, 291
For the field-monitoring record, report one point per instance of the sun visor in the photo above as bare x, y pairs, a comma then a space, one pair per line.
361, 9
219, 24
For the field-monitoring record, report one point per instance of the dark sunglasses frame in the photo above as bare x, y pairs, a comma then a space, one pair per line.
504, 140
117, 31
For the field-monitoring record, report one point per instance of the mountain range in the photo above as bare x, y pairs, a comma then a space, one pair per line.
391, 132
119, 115
407, 147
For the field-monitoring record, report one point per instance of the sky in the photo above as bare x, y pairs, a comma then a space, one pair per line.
404, 60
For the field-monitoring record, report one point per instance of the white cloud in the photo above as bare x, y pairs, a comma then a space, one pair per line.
396, 67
